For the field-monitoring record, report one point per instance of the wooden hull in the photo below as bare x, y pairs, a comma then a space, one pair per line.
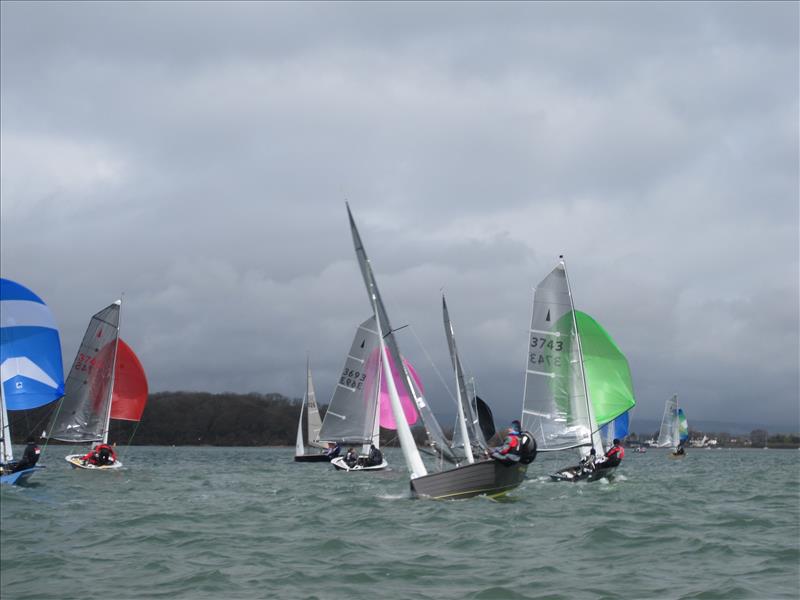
360, 466
312, 458
77, 463
490, 478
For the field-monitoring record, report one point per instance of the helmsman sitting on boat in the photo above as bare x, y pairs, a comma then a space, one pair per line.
100, 455
333, 450
29, 459
614, 455
519, 446
375, 456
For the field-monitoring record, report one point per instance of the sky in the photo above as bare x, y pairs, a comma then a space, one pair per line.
196, 157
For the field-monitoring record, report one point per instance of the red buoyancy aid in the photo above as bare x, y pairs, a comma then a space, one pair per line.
513, 443
616, 450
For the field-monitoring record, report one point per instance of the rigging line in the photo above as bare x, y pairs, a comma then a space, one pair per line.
435, 368
55, 420
130, 439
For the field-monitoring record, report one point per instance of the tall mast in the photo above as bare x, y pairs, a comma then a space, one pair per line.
462, 421
597, 441
113, 373
407, 443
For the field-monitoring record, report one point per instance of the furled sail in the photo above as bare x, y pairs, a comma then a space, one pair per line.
130, 385
467, 408
555, 408
83, 415
352, 411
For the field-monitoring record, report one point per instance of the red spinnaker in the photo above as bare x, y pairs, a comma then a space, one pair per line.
130, 386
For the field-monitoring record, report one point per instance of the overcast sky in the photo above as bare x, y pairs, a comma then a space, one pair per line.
197, 158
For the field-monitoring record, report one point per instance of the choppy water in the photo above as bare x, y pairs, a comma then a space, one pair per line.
250, 523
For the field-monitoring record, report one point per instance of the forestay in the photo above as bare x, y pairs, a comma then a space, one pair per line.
83, 415
353, 409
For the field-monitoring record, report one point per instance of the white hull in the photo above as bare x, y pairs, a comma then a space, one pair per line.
75, 461
342, 466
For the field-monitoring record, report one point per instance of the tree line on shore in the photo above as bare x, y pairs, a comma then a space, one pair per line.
228, 419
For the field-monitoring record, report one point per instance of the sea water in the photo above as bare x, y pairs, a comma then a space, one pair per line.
199, 522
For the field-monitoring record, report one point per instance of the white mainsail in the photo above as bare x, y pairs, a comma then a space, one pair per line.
314, 423
668, 435
86, 407
556, 405
353, 409
299, 445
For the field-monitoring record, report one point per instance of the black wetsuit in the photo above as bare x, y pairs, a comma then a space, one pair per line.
375, 457
29, 458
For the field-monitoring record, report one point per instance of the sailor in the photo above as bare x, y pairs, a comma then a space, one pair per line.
100, 455
351, 458
509, 451
615, 454
375, 456
587, 463
29, 457
333, 450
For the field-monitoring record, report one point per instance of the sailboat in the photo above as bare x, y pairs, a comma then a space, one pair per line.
106, 382
31, 370
353, 415
576, 380
674, 429
492, 478
314, 424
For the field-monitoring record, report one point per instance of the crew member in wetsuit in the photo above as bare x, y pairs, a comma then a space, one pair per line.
375, 456
679, 450
509, 451
333, 450
29, 457
587, 464
351, 458
614, 455
100, 455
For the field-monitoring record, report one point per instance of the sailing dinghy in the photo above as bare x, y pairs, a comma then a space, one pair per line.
106, 382
674, 429
313, 425
489, 477
577, 379
31, 370
353, 415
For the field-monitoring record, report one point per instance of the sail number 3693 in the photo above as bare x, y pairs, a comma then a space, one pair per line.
352, 378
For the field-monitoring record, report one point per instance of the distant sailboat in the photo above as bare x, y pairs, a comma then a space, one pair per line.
31, 370
492, 478
314, 424
674, 429
577, 379
106, 382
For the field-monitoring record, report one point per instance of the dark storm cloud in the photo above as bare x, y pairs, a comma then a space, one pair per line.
196, 157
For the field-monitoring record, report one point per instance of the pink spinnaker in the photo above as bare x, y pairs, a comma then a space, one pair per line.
408, 404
